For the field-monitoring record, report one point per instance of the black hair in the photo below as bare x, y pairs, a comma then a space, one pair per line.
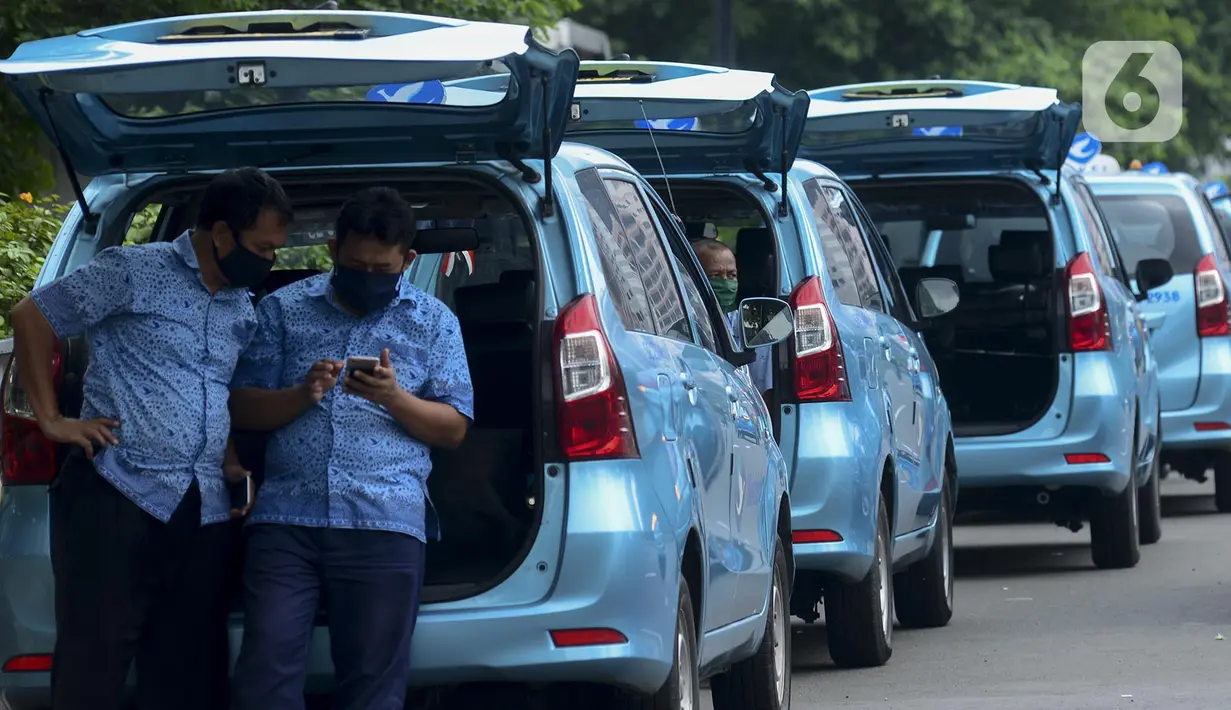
704, 244
237, 198
380, 213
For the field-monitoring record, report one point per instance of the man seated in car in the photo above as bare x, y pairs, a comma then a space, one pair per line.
718, 261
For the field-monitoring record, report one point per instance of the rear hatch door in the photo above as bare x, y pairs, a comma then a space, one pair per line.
1156, 222
315, 88
938, 126
688, 119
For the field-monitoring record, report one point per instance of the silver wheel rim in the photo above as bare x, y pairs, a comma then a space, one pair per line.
882, 563
684, 660
779, 639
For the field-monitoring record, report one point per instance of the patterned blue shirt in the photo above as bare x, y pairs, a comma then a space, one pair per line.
761, 370
163, 350
347, 463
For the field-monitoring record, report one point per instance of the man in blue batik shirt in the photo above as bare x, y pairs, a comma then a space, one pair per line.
718, 262
138, 545
342, 517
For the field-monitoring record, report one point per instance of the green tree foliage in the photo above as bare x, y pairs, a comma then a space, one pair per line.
27, 228
815, 43
23, 168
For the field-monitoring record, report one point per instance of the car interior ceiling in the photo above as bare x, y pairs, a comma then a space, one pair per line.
481, 490
993, 239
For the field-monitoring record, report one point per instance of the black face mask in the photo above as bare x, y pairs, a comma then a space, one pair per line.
365, 291
243, 268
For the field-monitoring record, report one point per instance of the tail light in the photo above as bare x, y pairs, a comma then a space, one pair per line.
594, 418
26, 456
1213, 311
818, 364
1089, 326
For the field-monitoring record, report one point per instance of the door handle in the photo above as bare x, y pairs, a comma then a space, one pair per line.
731, 394
885, 348
687, 381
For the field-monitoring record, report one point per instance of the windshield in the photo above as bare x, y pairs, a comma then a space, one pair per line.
1153, 227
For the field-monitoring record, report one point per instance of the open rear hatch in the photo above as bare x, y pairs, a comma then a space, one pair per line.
688, 119
310, 88
938, 126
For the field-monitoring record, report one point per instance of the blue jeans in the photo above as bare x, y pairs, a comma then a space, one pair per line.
368, 583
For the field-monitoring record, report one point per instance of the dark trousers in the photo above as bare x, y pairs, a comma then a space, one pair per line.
368, 582
131, 588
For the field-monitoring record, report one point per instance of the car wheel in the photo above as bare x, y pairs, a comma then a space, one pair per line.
682, 691
1115, 541
1150, 505
859, 616
1222, 481
923, 594
763, 681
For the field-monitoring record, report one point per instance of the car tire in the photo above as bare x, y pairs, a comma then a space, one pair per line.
763, 681
1221, 463
923, 594
859, 616
1115, 540
682, 690
1150, 505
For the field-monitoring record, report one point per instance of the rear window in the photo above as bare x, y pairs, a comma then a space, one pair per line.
469, 86
922, 225
1153, 227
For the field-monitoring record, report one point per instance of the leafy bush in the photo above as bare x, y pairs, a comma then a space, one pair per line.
28, 226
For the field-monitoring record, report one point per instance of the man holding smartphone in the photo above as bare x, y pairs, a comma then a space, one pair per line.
138, 547
343, 516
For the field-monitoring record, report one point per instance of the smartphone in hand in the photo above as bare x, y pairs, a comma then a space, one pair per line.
242, 493
366, 365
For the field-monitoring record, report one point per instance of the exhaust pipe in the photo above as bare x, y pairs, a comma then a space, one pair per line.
1043, 498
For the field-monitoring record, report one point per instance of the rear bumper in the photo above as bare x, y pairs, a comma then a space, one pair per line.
835, 486
1211, 406
1100, 421
618, 570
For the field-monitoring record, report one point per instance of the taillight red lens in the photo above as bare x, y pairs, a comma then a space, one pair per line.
818, 364
593, 413
26, 456
1213, 308
1089, 326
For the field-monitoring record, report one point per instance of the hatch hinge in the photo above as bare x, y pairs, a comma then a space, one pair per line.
755, 168
89, 220
466, 157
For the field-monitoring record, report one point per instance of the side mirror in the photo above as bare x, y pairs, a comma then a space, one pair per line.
1152, 273
936, 297
765, 321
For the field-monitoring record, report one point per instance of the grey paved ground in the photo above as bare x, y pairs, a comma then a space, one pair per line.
1038, 628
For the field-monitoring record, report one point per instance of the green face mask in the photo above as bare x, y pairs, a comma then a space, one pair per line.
726, 291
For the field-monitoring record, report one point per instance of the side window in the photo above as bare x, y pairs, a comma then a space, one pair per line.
899, 301
1098, 235
622, 277
850, 266
141, 228
1216, 233
703, 309
650, 258
704, 314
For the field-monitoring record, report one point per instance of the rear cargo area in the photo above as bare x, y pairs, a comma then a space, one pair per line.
997, 352
487, 493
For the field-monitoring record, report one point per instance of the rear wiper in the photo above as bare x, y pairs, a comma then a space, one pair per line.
878, 94
619, 76
267, 31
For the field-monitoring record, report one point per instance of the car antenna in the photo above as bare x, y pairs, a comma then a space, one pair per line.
661, 166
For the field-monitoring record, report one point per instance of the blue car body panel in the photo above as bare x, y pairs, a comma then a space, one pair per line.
1101, 397
614, 537
1194, 373
837, 452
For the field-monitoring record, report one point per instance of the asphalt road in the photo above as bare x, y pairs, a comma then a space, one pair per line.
1037, 627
